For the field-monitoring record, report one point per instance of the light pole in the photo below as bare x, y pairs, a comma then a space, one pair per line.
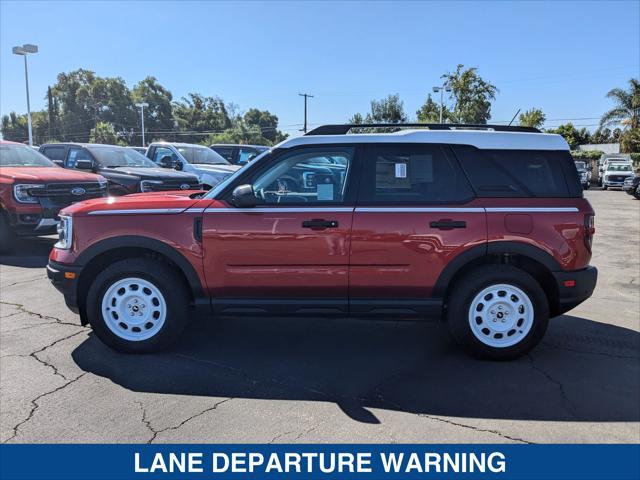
142, 105
25, 50
444, 88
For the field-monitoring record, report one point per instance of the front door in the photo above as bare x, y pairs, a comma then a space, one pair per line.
290, 253
415, 212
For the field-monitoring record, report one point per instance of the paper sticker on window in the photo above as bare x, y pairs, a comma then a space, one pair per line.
401, 170
325, 191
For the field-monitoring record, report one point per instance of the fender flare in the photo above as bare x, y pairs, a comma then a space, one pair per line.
492, 248
136, 241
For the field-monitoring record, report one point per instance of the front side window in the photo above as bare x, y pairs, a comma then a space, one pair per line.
225, 152
411, 174
304, 176
22, 156
76, 154
161, 152
54, 153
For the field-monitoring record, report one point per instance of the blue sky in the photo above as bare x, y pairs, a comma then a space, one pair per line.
559, 56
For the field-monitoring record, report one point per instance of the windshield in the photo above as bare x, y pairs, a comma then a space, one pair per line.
581, 165
112, 157
215, 191
619, 167
201, 155
22, 156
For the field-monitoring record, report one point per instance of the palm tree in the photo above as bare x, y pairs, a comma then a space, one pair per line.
627, 109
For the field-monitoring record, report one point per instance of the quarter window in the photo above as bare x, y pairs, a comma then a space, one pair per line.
412, 174
306, 176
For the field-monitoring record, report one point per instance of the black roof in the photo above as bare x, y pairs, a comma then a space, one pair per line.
337, 129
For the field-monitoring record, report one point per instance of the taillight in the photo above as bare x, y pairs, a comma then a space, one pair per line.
589, 229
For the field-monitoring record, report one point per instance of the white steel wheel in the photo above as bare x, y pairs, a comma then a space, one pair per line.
501, 315
134, 309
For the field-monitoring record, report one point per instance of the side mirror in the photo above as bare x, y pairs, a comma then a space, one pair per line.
167, 162
251, 157
84, 164
177, 164
243, 197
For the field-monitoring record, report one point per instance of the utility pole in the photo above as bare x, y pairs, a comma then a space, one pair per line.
24, 51
142, 105
305, 95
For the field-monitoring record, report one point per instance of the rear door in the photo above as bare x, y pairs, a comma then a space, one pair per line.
415, 212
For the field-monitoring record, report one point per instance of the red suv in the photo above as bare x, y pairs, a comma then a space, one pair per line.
33, 190
485, 227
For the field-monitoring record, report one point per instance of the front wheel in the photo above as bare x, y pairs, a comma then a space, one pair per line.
138, 306
604, 187
497, 312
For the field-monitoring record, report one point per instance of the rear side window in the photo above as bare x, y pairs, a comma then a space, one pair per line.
54, 153
520, 173
412, 174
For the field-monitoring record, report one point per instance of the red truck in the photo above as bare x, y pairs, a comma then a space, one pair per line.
484, 227
33, 190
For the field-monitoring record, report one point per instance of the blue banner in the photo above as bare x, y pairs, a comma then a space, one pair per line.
69, 462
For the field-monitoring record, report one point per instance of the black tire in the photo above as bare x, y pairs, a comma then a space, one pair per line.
604, 187
465, 290
7, 235
165, 279
586, 186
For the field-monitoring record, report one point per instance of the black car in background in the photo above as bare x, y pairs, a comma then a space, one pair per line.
632, 185
238, 154
126, 170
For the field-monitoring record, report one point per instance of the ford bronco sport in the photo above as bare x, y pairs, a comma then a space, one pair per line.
485, 227
33, 190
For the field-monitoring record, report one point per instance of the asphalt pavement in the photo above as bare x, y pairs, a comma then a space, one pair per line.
326, 380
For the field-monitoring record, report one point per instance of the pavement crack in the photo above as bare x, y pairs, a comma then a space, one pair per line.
280, 435
23, 309
477, 429
155, 432
23, 281
50, 365
558, 384
35, 405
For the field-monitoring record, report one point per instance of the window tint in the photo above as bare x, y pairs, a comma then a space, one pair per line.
519, 173
54, 153
303, 176
225, 152
76, 154
161, 152
412, 174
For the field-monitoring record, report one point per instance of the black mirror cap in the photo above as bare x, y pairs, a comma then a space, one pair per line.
84, 164
167, 162
243, 197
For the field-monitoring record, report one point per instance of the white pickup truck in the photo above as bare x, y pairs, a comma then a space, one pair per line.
210, 167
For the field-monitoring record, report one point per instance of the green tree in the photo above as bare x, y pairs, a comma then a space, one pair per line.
200, 116
429, 112
14, 127
627, 109
386, 110
158, 121
265, 121
103, 132
572, 135
532, 118
630, 141
472, 95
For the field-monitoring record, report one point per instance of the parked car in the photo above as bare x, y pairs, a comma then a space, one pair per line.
584, 174
238, 154
33, 190
126, 170
604, 161
615, 173
631, 185
487, 229
142, 150
199, 160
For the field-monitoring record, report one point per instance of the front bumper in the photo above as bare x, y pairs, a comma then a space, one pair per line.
65, 279
574, 287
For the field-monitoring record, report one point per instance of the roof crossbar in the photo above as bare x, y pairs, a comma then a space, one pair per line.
344, 129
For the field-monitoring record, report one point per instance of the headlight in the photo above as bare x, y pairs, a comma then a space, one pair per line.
65, 233
21, 192
147, 185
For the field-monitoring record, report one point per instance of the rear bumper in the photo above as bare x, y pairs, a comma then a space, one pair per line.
583, 281
65, 279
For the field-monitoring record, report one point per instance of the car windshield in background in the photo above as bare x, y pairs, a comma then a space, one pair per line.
621, 167
22, 156
202, 155
113, 157
581, 165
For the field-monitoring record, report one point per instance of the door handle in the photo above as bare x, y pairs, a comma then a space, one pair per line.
319, 224
448, 224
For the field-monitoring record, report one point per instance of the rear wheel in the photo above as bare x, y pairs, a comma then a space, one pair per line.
138, 306
7, 235
636, 193
498, 312
604, 187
